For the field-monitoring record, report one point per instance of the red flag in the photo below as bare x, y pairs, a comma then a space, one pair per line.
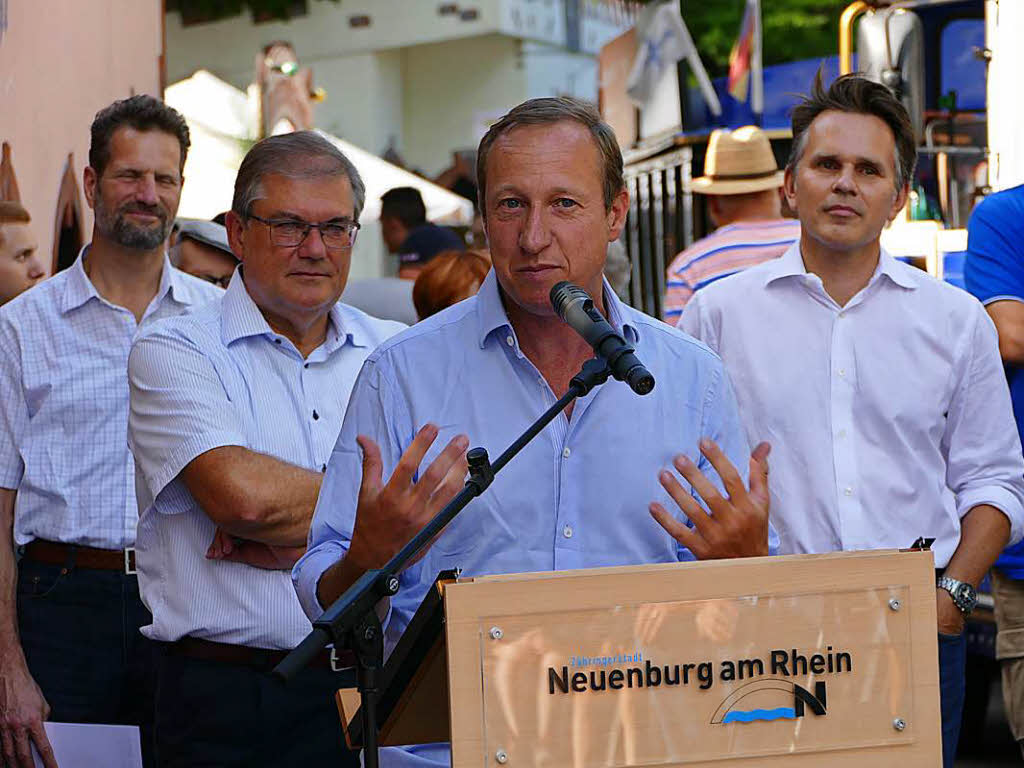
739, 58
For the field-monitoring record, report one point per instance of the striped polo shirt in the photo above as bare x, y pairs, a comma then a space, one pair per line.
724, 252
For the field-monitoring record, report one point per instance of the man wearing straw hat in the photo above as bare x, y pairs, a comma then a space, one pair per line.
742, 182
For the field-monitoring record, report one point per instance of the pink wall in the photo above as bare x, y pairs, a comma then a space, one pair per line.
60, 62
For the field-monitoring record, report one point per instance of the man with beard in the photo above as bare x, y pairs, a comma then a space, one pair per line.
70, 611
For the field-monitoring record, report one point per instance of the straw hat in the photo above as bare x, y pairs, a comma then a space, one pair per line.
737, 162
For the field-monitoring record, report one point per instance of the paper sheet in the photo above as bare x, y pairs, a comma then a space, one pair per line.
86, 746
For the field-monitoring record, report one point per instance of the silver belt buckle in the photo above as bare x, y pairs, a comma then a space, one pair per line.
336, 665
129, 561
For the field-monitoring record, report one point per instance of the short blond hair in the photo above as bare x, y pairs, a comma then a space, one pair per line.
13, 213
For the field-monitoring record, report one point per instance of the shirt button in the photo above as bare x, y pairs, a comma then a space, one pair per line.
848, 491
842, 372
566, 453
567, 531
315, 415
841, 434
323, 467
509, 341
277, 341
306, 365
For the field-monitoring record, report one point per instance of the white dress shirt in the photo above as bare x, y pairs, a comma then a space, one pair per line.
64, 405
889, 418
220, 377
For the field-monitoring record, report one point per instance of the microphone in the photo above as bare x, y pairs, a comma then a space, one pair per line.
576, 308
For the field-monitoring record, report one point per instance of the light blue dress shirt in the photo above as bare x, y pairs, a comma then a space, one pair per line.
64, 405
575, 497
220, 377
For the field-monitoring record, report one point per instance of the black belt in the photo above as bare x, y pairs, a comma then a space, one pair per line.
264, 659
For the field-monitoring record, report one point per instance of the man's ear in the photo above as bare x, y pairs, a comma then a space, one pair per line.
236, 234
899, 201
789, 186
89, 182
617, 214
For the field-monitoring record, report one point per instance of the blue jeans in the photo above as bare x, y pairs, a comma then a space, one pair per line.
952, 661
80, 633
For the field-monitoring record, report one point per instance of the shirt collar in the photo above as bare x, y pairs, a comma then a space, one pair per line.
241, 317
791, 264
79, 289
491, 314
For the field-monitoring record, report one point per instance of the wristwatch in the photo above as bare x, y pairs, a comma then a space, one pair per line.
965, 597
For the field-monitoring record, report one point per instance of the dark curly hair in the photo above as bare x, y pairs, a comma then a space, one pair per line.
141, 112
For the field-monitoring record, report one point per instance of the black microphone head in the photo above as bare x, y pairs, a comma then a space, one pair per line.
640, 380
562, 293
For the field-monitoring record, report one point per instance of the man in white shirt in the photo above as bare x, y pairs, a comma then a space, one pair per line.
880, 388
234, 412
67, 491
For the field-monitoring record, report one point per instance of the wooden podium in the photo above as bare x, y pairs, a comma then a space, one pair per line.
804, 660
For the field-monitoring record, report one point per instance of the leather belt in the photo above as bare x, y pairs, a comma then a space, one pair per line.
264, 659
76, 555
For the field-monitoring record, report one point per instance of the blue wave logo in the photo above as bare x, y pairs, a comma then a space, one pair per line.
728, 712
779, 713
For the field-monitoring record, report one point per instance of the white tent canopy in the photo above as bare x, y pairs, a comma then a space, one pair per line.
222, 121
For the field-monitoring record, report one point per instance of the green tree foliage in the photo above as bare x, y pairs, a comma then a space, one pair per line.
793, 29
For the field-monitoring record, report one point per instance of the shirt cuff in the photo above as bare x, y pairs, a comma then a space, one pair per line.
1000, 498
10, 476
307, 571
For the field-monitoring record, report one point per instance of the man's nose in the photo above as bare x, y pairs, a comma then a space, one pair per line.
145, 190
36, 268
844, 181
313, 247
535, 234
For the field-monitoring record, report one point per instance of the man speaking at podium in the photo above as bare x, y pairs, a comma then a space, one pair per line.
579, 495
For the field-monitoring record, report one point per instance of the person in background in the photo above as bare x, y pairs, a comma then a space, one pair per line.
21, 264
388, 298
741, 182
618, 269
70, 610
881, 386
406, 231
447, 279
994, 273
203, 251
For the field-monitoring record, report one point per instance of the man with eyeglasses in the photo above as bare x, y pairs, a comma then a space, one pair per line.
234, 412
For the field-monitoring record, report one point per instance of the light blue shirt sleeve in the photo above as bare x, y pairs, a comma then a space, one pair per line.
13, 409
373, 411
179, 410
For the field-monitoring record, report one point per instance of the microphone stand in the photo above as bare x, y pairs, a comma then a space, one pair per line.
352, 621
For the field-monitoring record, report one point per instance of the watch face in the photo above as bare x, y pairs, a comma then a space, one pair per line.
965, 596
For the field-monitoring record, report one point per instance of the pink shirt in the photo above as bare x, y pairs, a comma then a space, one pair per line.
724, 252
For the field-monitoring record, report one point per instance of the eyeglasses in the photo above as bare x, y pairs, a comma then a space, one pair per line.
290, 233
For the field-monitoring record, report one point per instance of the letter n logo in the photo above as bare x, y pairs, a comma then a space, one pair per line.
816, 700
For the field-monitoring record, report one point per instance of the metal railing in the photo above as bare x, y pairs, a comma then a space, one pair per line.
659, 223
